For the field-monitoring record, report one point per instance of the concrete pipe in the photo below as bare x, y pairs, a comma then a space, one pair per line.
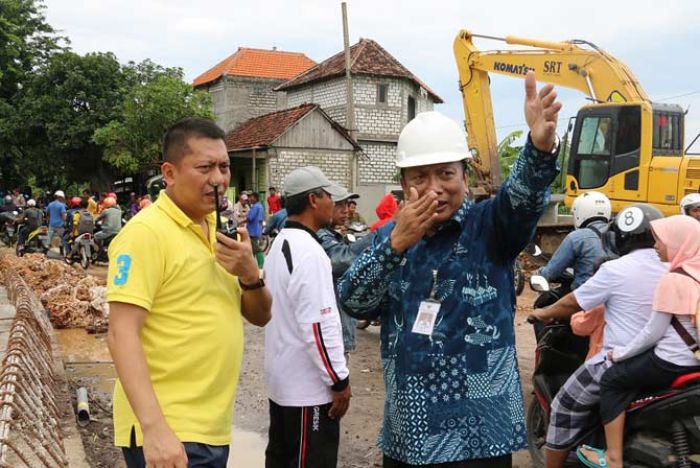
83, 407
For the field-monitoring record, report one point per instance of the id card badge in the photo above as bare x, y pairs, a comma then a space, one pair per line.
425, 319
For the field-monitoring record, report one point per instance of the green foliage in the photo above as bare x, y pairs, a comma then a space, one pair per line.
158, 98
67, 118
507, 153
27, 42
559, 184
59, 111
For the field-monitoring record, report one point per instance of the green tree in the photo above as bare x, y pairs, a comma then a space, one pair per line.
158, 98
59, 111
27, 42
507, 153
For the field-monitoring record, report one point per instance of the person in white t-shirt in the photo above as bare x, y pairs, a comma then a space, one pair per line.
626, 287
308, 380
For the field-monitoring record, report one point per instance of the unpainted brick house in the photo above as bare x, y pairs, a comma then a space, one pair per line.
241, 86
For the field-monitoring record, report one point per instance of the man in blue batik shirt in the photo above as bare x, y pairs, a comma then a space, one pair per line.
440, 277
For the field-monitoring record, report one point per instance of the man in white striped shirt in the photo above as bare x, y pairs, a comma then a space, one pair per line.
307, 376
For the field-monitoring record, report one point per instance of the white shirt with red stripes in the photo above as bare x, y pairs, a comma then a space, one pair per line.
304, 355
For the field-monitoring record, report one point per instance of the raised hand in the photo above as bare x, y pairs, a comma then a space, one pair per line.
413, 219
541, 113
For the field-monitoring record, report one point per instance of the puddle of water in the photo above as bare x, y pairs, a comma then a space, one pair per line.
87, 358
247, 450
77, 345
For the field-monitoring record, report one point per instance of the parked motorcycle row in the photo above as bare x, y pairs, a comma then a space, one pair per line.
84, 249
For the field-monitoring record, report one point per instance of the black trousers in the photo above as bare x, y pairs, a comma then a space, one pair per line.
302, 437
505, 461
624, 381
198, 455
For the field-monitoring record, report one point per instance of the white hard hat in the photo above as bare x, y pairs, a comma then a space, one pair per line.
590, 205
431, 138
692, 200
59, 193
31, 202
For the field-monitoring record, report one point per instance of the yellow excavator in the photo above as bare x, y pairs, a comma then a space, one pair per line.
622, 144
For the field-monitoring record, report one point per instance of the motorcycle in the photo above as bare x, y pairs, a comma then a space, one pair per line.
37, 241
518, 275
357, 231
9, 228
662, 429
82, 250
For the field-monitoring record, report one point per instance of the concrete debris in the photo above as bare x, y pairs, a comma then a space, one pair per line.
72, 298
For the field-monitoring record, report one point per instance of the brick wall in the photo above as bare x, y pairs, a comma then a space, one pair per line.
327, 94
377, 163
237, 99
336, 165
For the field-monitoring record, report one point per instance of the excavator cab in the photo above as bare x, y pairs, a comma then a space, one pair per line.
632, 152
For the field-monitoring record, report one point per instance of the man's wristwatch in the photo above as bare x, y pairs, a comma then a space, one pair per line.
260, 283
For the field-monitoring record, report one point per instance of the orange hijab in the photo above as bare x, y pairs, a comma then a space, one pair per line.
677, 293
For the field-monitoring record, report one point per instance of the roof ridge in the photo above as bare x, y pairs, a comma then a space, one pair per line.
361, 45
276, 51
388, 56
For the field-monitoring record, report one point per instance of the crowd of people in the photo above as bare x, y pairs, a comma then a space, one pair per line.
67, 218
436, 270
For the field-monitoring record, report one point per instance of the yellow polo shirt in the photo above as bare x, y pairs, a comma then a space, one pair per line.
193, 333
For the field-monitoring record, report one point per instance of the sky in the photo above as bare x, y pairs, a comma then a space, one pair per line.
657, 40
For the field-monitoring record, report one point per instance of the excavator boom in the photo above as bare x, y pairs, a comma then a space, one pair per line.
588, 69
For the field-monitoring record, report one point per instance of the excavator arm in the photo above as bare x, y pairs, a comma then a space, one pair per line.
590, 70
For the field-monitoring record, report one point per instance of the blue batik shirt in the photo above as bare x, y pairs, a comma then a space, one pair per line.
456, 394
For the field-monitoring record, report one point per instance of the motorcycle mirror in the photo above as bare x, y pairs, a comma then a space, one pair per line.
539, 283
351, 237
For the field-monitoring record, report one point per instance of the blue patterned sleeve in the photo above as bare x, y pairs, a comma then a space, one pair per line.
513, 214
364, 285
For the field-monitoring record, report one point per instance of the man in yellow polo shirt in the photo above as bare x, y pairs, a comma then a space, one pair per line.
177, 292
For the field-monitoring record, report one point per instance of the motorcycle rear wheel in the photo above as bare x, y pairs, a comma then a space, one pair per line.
84, 258
536, 422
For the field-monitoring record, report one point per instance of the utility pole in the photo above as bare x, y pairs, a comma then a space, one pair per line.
350, 97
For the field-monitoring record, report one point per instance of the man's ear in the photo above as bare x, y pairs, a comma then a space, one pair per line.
167, 170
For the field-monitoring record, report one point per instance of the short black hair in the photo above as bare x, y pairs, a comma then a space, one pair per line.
83, 203
352, 202
254, 195
175, 138
297, 204
272, 188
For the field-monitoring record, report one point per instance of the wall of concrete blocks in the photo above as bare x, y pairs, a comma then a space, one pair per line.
377, 164
336, 165
327, 94
237, 99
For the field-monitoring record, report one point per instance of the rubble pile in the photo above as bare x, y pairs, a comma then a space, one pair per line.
72, 298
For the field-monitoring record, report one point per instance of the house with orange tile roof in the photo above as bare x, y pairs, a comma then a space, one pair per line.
265, 149
386, 97
242, 85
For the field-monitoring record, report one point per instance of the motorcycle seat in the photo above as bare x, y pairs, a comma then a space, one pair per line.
685, 379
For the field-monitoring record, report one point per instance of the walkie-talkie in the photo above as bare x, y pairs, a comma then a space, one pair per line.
228, 230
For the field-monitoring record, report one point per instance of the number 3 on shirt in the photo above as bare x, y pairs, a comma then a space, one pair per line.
123, 265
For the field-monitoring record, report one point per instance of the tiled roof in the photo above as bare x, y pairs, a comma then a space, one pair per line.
367, 57
258, 63
261, 132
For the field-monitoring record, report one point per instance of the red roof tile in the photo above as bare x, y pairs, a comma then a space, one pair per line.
261, 132
258, 63
367, 57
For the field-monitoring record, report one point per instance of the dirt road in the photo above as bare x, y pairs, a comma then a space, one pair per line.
360, 426
87, 362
